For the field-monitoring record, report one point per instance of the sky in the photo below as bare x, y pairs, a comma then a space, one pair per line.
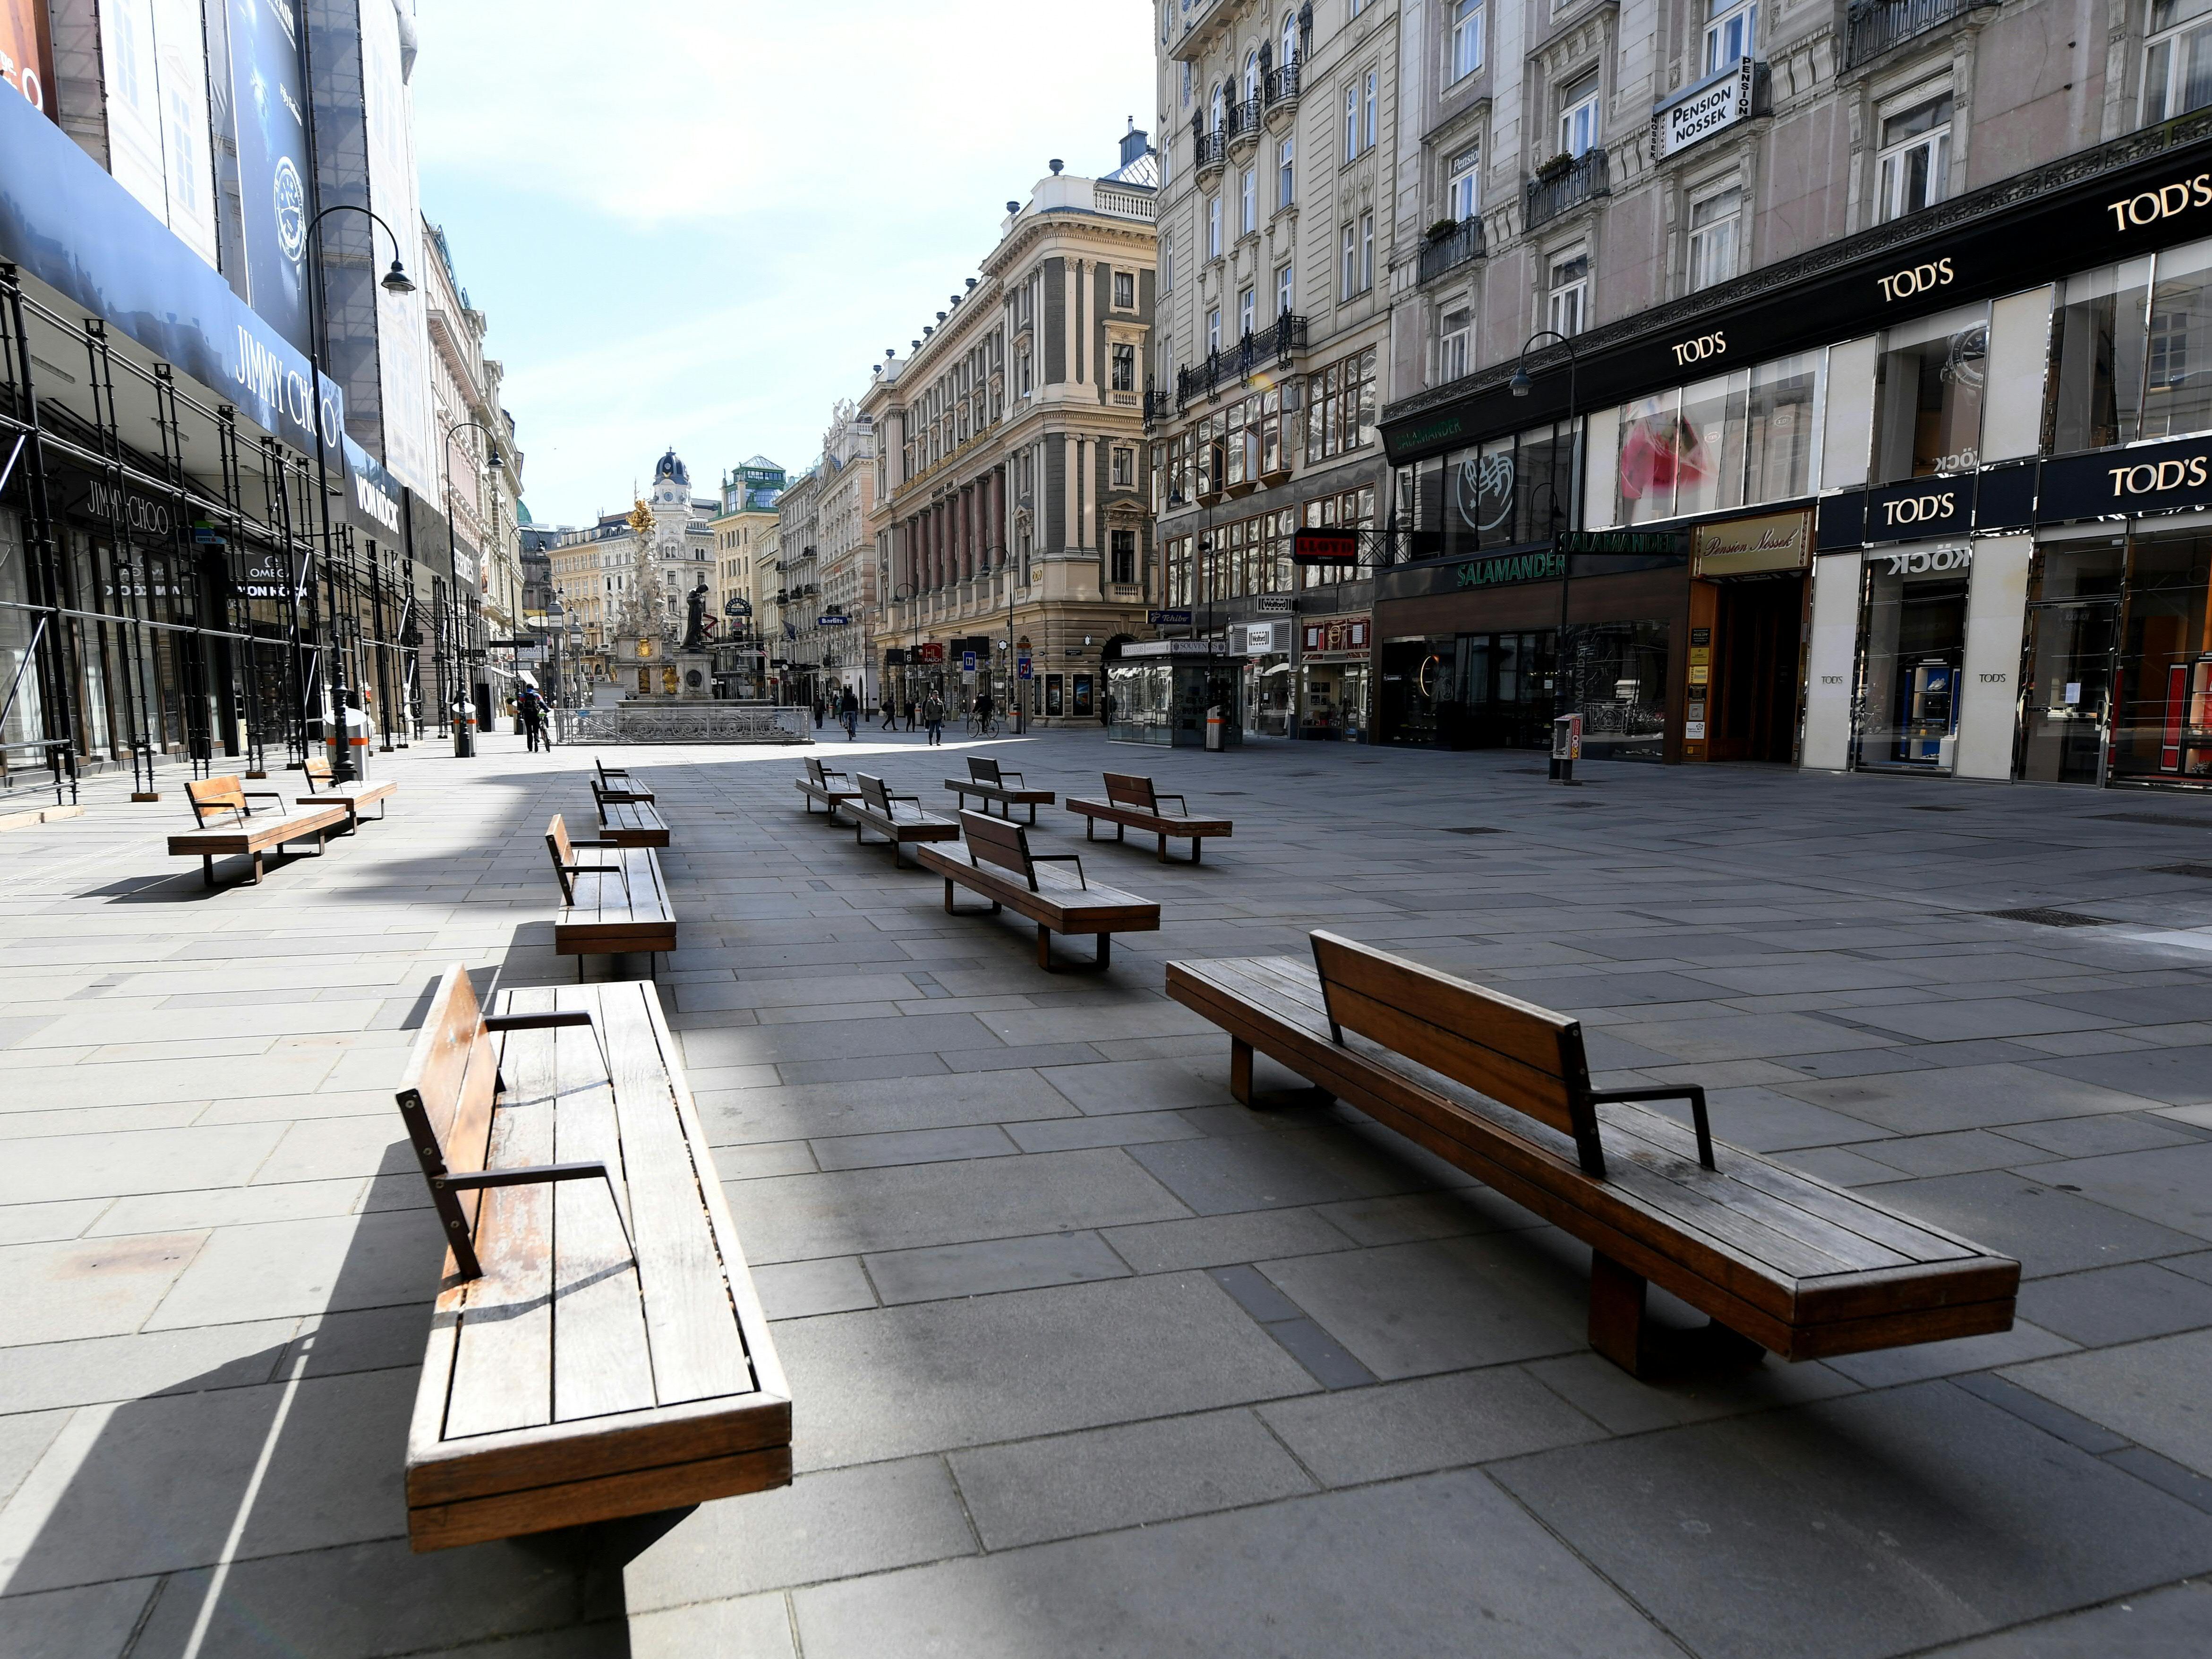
700, 223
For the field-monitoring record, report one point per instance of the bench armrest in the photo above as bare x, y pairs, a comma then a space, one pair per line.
1063, 858
1006, 773
538, 1175
1694, 1093
538, 1022
1183, 806
573, 842
598, 870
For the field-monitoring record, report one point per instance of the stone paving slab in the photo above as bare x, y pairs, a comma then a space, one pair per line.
1086, 1356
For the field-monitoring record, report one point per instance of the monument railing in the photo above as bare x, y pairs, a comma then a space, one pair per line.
703, 721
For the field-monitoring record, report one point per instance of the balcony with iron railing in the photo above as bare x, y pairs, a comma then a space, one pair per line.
1208, 152
1282, 90
1564, 184
1455, 246
1243, 124
1279, 342
1158, 407
1872, 27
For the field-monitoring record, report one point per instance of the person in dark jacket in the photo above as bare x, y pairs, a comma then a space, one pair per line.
848, 714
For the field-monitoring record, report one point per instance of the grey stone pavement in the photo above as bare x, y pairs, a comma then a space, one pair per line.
1086, 1359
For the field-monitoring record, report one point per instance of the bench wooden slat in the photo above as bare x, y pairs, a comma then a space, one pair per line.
602, 1362
698, 1350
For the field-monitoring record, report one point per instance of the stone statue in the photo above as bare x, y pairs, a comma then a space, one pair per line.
696, 624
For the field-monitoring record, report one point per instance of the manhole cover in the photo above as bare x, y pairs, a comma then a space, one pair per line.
2048, 918
1484, 829
2171, 820
2202, 872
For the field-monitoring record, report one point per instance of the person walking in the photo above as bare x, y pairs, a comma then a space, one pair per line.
932, 717
817, 711
890, 713
911, 707
848, 714
530, 716
984, 707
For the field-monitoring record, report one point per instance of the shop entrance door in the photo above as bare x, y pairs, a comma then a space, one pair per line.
2069, 694
1756, 629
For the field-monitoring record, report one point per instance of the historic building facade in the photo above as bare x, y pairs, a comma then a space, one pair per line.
1284, 166
744, 557
795, 642
845, 553
599, 572
1014, 536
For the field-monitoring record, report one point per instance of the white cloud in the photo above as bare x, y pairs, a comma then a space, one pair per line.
701, 225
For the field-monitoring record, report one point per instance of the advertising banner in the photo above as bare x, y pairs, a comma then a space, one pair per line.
402, 323
27, 53
272, 159
71, 226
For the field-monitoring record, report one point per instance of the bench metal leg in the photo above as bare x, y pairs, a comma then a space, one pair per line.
206, 869
1240, 1071
256, 869
1619, 1330
1197, 846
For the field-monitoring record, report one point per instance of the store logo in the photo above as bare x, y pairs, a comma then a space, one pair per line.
1916, 279
2152, 478
1706, 345
291, 204
1919, 564
139, 513
2163, 202
374, 502
1485, 490
1919, 509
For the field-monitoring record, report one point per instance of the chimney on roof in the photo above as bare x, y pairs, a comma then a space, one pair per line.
1134, 142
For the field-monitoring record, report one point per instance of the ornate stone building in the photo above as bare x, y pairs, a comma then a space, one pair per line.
1010, 439
598, 570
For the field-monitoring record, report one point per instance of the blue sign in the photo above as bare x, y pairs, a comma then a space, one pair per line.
1167, 618
65, 222
1022, 671
967, 662
831, 621
272, 159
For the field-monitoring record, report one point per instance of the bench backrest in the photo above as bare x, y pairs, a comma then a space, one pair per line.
1128, 789
993, 841
814, 771
1521, 1056
564, 857
874, 794
319, 769
617, 776
599, 795
220, 796
983, 770
446, 1099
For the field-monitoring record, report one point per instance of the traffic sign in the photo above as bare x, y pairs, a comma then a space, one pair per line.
831, 621
1167, 618
967, 662
1022, 670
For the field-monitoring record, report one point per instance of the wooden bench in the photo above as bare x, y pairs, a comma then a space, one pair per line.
611, 905
1501, 1088
878, 809
228, 828
617, 784
988, 783
999, 865
629, 822
826, 784
597, 1349
1132, 803
353, 796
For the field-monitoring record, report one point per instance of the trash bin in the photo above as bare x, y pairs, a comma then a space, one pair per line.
465, 729
354, 724
1214, 728
1566, 746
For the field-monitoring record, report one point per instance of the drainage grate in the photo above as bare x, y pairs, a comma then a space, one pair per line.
2171, 820
1934, 809
1475, 830
2202, 872
2047, 918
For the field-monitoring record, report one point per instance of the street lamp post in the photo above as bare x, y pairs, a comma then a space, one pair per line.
394, 281
492, 459
1562, 695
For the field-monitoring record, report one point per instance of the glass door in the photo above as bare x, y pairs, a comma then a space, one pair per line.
2067, 701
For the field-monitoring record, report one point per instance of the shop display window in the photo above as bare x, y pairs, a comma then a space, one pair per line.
2163, 721
1619, 676
1469, 691
1738, 439
2072, 624
1928, 379
1334, 703
2098, 333
1510, 492
1912, 643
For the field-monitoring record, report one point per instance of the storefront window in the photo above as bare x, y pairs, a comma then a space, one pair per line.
2163, 724
2178, 364
1738, 440
2097, 345
2073, 623
1927, 395
1620, 677
1912, 639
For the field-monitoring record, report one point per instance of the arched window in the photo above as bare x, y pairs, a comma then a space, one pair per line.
1289, 37
1218, 108
1251, 76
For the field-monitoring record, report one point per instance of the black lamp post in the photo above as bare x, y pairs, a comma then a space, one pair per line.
492, 461
394, 281
1563, 697
905, 593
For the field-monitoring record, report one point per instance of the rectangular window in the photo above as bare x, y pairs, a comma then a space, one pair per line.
1369, 104
1348, 264
1457, 333
1466, 38
1578, 115
1285, 173
1248, 218
1568, 301
2098, 336
1463, 184
1214, 226
1282, 290
1247, 309
1124, 468
2177, 60
1927, 395
1125, 369
1351, 122
1713, 223
1916, 158
1213, 328
1729, 28
1340, 407
1125, 550
1125, 290
1366, 251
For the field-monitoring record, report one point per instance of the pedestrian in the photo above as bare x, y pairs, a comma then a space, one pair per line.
911, 706
848, 714
983, 707
890, 713
530, 718
817, 711
932, 717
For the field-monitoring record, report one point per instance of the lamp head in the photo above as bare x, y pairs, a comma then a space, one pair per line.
396, 280
1519, 383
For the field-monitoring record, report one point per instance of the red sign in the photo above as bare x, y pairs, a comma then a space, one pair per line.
26, 61
932, 651
1336, 634
1312, 545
